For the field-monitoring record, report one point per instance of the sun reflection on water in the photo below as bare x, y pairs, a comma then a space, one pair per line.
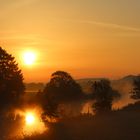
30, 123
33, 123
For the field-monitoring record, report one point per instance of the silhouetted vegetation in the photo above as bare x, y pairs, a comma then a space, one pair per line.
135, 94
33, 87
103, 95
11, 81
114, 126
132, 107
61, 89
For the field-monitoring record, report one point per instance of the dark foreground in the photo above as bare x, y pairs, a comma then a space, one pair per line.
119, 125
115, 126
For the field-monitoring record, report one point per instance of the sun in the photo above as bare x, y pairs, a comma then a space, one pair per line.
30, 118
29, 57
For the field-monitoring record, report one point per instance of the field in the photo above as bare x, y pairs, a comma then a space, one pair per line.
118, 125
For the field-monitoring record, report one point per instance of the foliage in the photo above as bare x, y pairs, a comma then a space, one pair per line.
132, 107
103, 95
11, 81
135, 93
61, 89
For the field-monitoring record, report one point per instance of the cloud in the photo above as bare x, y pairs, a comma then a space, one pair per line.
112, 25
107, 25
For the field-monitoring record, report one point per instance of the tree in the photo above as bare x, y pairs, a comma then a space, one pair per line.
11, 81
135, 93
103, 95
61, 89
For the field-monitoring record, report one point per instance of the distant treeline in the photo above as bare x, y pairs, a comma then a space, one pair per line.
60, 93
34, 86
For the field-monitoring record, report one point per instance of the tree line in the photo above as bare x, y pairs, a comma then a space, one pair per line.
61, 89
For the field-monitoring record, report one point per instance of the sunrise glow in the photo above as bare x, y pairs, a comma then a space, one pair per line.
29, 57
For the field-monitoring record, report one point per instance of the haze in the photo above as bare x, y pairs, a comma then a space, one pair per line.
88, 38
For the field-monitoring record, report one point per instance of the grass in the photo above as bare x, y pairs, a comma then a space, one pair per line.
115, 126
118, 125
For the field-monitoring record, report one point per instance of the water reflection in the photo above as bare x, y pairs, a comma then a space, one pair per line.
28, 122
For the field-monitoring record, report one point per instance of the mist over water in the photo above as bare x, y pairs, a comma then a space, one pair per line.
123, 86
21, 127
73, 109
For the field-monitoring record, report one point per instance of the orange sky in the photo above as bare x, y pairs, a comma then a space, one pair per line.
87, 38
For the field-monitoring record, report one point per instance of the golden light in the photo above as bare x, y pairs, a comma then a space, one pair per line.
33, 122
30, 118
30, 124
29, 57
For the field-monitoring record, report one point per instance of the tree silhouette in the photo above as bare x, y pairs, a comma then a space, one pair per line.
61, 89
103, 95
11, 81
135, 93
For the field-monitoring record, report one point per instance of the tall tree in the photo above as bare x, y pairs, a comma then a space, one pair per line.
103, 95
11, 81
135, 93
61, 89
